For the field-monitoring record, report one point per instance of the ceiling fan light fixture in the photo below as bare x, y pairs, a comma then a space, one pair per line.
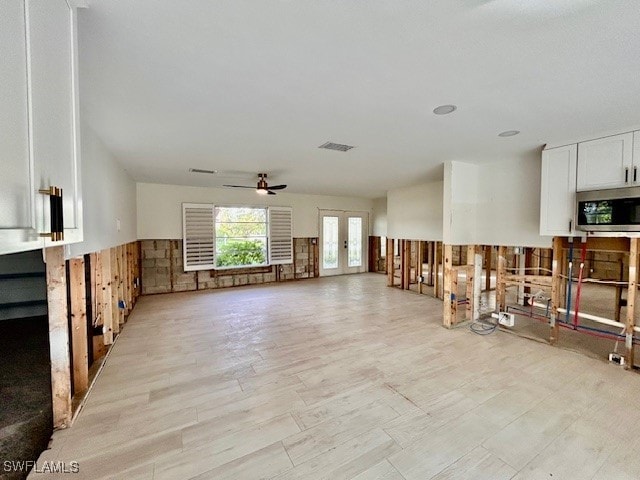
262, 191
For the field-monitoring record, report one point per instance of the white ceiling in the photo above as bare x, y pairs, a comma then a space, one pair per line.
249, 86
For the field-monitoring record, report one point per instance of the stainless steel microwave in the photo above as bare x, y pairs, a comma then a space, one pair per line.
614, 210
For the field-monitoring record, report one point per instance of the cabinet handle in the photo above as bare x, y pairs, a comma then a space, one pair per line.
570, 225
56, 212
635, 174
626, 175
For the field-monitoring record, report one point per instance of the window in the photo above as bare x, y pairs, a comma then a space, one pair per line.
231, 237
383, 247
241, 236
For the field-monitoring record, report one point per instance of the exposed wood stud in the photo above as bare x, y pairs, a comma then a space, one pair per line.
501, 302
555, 289
450, 297
471, 253
436, 275
405, 264
488, 250
420, 259
430, 256
58, 336
106, 301
389, 261
77, 289
631, 301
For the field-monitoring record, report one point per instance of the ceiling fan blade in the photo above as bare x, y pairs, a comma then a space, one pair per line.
239, 186
277, 187
271, 193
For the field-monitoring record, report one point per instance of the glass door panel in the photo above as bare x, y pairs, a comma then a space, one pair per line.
330, 250
354, 226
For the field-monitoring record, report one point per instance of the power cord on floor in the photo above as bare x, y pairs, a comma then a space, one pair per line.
483, 326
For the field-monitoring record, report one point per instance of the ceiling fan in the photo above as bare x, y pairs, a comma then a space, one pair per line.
262, 188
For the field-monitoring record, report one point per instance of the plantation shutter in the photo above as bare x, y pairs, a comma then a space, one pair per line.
198, 236
280, 235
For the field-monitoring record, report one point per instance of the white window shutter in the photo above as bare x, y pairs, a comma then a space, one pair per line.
280, 235
198, 236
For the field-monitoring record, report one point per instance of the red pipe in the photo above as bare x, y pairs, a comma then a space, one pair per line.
583, 257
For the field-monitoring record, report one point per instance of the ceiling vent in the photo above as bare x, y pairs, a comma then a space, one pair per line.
200, 170
336, 146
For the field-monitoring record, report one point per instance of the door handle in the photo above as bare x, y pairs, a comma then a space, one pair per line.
626, 175
56, 213
345, 244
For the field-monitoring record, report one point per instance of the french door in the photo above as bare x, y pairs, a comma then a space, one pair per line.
343, 242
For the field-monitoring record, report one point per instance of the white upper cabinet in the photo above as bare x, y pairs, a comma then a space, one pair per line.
606, 163
17, 218
39, 137
558, 188
54, 110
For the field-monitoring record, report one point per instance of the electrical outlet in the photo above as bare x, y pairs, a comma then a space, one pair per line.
616, 358
504, 318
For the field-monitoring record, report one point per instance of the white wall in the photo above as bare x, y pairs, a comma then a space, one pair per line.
415, 213
160, 207
108, 195
379, 217
509, 203
494, 204
460, 203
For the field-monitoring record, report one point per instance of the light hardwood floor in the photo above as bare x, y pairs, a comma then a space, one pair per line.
341, 378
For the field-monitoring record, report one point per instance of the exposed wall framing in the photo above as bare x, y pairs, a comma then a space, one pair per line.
89, 301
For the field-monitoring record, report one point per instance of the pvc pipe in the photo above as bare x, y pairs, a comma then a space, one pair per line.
583, 258
569, 279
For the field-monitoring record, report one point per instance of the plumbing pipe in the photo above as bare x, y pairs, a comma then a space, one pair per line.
583, 257
594, 318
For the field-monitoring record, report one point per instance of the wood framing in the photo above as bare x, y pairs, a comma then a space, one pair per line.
471, 255
501, 297
450, 297
419, 260
79, 347
430, 257
389, 260
106, 302
631, 299
405, 265
58, 336
488, 250
556, 291
436, 276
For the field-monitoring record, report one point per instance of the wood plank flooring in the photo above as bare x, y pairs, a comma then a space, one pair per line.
341, 378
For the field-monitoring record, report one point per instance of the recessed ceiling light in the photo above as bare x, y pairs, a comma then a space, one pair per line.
444, 109
509, 133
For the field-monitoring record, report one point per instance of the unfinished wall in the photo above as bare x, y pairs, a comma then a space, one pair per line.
108, 196
415, 212
160, 211
162, 269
